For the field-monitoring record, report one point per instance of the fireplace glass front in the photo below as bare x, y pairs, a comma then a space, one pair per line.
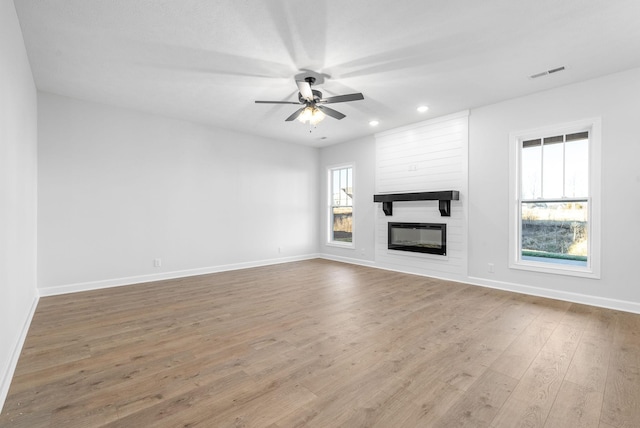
428, 238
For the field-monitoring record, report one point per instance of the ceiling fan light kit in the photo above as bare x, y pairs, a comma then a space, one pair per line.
313, 115
314, 110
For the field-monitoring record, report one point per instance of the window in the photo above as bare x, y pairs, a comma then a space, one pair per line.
341, 205
555, 188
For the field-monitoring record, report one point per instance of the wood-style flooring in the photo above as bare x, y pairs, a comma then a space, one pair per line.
323, 344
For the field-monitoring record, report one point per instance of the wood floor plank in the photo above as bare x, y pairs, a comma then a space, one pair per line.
517, 358
533, 397
575, 406
622, 389
480, 403
319, 343
590, 362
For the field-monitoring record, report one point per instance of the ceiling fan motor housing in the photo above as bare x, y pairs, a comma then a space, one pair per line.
317, 96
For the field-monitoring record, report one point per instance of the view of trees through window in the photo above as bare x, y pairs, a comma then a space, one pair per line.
341, 210
554, 199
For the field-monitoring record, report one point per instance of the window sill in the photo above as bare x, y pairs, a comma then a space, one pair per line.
555, 267
347, 245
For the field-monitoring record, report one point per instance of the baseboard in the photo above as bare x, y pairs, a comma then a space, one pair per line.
603, 302
15, 354
372, 264
118, 282
368, 263
585, 299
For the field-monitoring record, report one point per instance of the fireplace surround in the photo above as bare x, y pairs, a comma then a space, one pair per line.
429, 238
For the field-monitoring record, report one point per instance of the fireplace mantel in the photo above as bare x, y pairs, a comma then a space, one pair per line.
443, 197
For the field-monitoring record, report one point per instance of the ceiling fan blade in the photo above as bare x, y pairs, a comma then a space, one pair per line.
342, 98
295, 115
277, 102
331, 112
305, 90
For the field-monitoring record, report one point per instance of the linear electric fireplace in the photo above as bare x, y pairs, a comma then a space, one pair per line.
418, 237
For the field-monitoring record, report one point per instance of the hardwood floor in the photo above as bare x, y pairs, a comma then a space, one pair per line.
323, 344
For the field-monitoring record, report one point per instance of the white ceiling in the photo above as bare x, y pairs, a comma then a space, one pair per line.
207, 61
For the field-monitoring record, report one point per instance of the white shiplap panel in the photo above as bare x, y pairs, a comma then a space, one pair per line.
426, 160
434, 185
428, 156
400, 146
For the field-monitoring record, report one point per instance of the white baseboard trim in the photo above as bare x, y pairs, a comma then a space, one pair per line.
118, 282
603, 302
371, 263
368, 263
585, 299
455, 278
15, 354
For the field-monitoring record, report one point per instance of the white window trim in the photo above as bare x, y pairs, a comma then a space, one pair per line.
592, 270
348, 245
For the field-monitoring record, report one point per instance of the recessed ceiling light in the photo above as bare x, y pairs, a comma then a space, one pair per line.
374, 123
422, 109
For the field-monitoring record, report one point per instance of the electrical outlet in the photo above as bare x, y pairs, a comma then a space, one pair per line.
279, 250
490, 267
157, 262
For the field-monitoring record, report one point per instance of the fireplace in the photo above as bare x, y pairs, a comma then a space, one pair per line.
428, 238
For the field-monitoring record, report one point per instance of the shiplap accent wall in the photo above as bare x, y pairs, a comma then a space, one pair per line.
423, 157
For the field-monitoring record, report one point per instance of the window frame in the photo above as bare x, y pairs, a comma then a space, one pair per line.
592, 270
329, 240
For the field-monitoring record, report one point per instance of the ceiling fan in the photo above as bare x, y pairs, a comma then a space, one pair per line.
313, 108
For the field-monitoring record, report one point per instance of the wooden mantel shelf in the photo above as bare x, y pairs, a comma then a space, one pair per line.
443, 197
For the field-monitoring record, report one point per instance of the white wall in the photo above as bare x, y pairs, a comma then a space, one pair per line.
614, 98
118, 188
18, 180
361, 153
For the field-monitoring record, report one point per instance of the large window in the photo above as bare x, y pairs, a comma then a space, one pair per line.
341, 205
555, 199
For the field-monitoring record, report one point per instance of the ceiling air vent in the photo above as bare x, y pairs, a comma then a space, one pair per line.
547, 72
